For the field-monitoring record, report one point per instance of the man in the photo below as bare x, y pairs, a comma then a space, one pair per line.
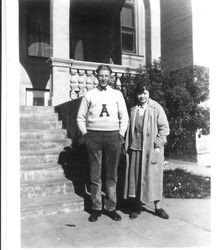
103, 120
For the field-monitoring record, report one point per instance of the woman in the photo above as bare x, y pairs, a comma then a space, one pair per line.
145, 139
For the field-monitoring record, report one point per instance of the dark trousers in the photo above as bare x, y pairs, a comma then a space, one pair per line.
109, 144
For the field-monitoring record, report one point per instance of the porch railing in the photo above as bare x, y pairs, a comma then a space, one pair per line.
83, 77
78, 77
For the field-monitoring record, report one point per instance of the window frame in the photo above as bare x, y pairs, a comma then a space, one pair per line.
129, 30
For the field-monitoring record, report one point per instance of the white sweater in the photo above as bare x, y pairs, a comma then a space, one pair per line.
103, 111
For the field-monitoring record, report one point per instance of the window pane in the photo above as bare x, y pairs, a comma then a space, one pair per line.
38, 19
38, 32
38, 44
127, 17
128, 41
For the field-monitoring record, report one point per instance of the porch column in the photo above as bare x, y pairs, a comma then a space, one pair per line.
155, 29
147, 31
59, 39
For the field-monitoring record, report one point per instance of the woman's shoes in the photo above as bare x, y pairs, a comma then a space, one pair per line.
134, 214
136, 210
161, 213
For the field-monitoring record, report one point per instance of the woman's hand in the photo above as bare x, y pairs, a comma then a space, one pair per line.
157, 149
155, 155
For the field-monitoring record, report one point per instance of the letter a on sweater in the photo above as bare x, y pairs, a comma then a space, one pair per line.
104, 110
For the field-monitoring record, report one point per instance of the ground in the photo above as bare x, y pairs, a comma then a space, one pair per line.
188, 226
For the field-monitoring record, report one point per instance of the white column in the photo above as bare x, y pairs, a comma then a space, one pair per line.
140, 27
201, 30
155, 29
59, 30
60, 80
60, 63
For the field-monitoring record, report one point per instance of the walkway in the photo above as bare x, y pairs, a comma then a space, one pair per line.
188, 226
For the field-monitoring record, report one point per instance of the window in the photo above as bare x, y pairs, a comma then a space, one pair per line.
38, 36
35, 97
128, 29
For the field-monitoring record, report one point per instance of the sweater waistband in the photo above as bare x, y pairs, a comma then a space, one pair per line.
103, 131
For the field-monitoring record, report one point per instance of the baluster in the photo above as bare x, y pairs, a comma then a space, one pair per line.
82, 79
118, 82
89, 80
112, 81
82, 92
74, 84
95, 79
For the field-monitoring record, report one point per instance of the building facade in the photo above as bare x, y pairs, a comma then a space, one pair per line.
61, 42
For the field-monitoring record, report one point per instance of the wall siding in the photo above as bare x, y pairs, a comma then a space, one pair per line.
176, 33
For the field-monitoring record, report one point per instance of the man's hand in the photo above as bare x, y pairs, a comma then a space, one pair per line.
82, 139
122, 139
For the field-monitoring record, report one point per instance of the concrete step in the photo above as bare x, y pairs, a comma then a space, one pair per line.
38, 117
44, 124
37, 144
40, 188
44, 189
50, 205
42, 172
39, 156
36, 109
44, 134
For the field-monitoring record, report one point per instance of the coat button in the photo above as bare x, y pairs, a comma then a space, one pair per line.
148, 134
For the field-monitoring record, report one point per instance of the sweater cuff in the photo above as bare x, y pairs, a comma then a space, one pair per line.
121, 133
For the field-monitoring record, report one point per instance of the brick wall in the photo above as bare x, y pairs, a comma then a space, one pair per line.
176, 32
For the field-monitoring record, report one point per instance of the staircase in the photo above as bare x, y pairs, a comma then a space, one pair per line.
44, 188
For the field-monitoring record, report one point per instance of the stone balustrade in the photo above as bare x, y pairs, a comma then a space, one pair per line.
83, 77
71, 79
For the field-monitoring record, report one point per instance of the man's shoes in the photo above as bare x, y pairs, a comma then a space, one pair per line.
113, 215
161, 213
94, 215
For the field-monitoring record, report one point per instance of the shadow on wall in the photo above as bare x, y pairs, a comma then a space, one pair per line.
67, 113
74, 159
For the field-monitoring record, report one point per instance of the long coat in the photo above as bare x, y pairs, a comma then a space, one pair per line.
155, 131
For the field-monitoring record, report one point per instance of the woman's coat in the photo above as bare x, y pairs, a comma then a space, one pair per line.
155, 130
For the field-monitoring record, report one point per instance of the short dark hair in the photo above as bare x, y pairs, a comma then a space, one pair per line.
103, 67
141, 87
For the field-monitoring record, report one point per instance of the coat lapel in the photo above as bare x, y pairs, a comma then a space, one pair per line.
146, 124
133, 116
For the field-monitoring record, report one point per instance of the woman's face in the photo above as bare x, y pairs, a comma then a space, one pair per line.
143, 97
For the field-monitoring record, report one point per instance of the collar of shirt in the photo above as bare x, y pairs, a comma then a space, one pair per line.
103, 89
143, 107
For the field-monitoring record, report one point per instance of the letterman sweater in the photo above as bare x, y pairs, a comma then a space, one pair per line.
103, 111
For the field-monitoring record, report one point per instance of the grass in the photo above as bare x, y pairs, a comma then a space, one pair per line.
179, 183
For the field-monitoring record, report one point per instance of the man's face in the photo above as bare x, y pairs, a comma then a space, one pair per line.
103, 77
